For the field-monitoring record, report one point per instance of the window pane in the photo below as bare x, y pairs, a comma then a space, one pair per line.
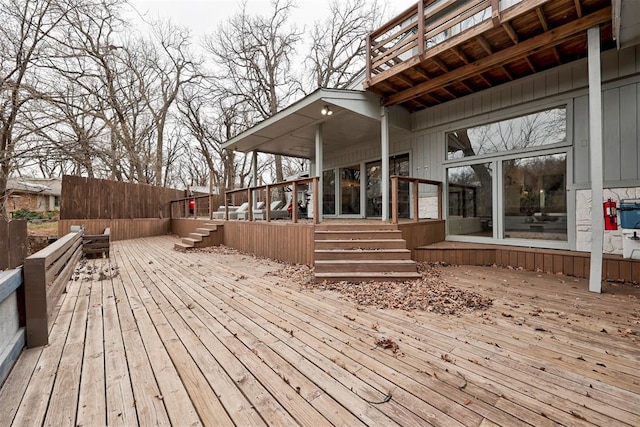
535, 197
470, 200
329, 192
533, 130
350, 190
374, 191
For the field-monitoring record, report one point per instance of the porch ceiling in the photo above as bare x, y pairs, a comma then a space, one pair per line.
527, 38
291, 132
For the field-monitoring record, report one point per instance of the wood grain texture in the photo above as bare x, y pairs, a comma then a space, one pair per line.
214, 338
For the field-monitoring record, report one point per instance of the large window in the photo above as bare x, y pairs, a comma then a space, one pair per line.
534, 194
329, 192
520, 183
398, 165
533, 130
470, 200
350, 190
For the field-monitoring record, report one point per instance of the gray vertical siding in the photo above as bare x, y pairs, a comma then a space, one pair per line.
566, 84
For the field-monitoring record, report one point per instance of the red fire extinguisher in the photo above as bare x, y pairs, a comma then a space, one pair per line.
610, 215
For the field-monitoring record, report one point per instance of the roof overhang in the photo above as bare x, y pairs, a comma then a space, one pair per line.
291, 132
626, 22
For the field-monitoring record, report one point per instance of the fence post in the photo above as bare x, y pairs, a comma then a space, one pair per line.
35, 290
294, 203
394, 199
416, 199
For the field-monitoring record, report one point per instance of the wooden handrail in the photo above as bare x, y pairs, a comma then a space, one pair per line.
421, 23
46, 274
395, 179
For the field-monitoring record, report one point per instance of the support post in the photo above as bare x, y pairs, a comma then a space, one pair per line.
596, 155
416, 200
254, 180
317, 192
384, 141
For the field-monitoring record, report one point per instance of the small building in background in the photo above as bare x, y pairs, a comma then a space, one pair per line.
34, 194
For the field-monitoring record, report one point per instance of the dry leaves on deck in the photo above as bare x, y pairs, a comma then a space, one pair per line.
430, 293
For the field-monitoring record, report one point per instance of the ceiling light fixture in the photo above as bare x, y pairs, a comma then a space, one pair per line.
326, 111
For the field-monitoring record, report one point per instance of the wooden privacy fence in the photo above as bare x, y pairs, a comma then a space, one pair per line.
13, 243
90, 198
46, 274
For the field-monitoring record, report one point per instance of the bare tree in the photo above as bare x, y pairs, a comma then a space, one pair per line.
254, 54
174, 67
25, 29
338, 49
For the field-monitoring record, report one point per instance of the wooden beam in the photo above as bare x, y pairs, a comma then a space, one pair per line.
504, 68
578, 8
495, 12
440, 64
556, 53
460, 54
484, 44
545, 40
542, 18
419, 70
485, 80
511, 32
405, 79
511, 13
531, 64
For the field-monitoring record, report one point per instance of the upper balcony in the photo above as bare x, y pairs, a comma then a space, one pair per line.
440, 50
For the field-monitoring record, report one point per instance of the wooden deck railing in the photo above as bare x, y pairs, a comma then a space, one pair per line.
430, 26
415, 196
266, 190
12, 325
205, 205
46, 274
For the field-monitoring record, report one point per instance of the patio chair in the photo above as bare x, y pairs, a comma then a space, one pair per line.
244, 215
232, 209
260, 212
280, 213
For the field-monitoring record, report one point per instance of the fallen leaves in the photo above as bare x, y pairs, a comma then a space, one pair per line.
387, 344
430, 293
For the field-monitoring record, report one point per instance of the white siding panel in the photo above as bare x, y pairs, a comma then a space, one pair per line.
629, 133
581, 140
627, 62
611, 131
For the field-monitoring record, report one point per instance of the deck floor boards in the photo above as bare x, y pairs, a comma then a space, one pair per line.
155, 336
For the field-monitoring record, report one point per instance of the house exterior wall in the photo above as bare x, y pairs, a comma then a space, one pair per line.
566, 85
30, 201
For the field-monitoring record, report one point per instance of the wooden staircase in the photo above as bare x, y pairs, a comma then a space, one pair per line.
204, 236
362, 252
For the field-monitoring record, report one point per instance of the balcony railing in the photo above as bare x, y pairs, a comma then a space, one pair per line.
430, 26
414, 195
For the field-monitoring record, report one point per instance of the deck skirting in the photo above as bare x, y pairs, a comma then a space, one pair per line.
570, 263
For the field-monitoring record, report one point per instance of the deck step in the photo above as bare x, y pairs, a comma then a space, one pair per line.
197, 236
358, 254
189, 241
182, 246
365, 265
204, 231
366, 277
358, 235
361, 244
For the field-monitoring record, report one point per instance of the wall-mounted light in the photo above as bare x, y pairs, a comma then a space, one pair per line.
326, 111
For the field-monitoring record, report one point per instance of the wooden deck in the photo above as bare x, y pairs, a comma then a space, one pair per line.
163, 337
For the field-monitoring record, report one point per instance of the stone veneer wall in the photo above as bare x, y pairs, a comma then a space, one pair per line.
612, 239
